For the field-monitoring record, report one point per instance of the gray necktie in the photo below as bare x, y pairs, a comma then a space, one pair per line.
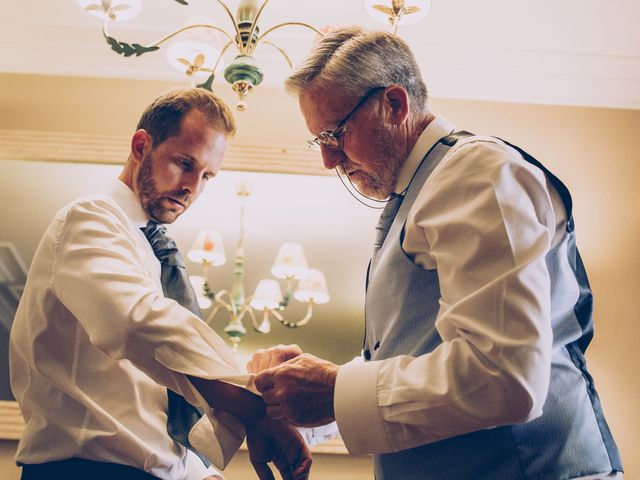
182, 416
384, 223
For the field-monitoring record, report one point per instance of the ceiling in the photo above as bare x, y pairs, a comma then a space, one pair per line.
569, 53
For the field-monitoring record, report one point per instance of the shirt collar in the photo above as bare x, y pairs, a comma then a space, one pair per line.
128, 201
438, 128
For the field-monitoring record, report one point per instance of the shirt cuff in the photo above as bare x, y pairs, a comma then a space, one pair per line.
319, 435
356, 408
197, 470
218, 437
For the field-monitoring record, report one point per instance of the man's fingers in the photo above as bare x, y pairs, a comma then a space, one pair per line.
253, 364
285, 472
276, 412
300, 458
272, 357
265, 380
263, 470
301, 472
271, 397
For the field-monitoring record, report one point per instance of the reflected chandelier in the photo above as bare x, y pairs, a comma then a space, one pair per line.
290, 266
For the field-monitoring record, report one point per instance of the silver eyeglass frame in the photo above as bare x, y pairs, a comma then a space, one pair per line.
331, 138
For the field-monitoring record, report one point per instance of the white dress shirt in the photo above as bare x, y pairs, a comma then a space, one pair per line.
95, 344
494, 324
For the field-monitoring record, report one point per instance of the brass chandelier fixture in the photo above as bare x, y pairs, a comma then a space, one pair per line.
397, 12
197, 58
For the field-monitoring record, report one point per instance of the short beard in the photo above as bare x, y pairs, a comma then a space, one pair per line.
148, 193
383, 170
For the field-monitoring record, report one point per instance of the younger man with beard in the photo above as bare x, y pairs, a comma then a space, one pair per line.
104, 351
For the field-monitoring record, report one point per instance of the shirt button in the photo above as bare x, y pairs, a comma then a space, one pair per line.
367, 354
377, 345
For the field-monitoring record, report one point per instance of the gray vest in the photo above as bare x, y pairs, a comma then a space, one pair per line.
571, 438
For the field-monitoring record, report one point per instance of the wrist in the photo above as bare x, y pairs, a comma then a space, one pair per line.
251, 418
329, 380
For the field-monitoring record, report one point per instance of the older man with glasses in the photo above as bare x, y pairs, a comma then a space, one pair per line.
478, 310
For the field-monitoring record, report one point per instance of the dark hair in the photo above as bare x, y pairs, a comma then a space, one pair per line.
163, 117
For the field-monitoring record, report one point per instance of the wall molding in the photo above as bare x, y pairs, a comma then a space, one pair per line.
46, 146
12, 428
11, 422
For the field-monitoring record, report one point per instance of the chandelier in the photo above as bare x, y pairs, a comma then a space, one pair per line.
197, 55
397, 12
196, 58
304, 284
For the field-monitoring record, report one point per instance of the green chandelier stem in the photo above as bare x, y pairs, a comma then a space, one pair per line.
237, 293
254, 26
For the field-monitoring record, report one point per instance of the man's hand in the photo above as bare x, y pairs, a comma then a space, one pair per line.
274, 441
271, 357
300, 390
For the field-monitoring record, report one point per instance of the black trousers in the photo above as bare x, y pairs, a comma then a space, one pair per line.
80, 468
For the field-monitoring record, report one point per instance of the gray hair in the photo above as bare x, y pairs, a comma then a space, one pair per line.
356, 60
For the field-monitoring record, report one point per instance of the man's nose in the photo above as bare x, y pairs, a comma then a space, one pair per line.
331, 158
193, 184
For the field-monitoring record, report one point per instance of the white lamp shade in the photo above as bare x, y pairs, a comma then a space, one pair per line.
406, 19
197, 282
267, 295
290, 262
188, 50
118, 10
312, 288
207, 247
203, 302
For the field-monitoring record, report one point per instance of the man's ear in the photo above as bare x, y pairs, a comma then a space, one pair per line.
397, 102
141, 144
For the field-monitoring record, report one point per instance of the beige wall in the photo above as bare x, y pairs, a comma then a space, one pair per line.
325, 467
592, 150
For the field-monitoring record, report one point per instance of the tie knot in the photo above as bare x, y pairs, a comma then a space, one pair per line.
164, 247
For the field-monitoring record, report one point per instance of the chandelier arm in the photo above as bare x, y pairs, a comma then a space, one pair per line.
127, 49
284, 54
307, 317
233, 22
299, 323
301, 24
189, 27
213, 313
254, 322
208, 83
246, 308
218, 299
253, 28
222, 52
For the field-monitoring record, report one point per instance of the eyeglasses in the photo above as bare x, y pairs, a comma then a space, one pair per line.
331, 138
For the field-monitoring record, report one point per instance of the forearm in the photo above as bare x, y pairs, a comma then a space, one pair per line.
268, 440
248, 407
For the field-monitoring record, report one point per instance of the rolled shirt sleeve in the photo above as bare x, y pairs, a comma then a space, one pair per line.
485, 220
